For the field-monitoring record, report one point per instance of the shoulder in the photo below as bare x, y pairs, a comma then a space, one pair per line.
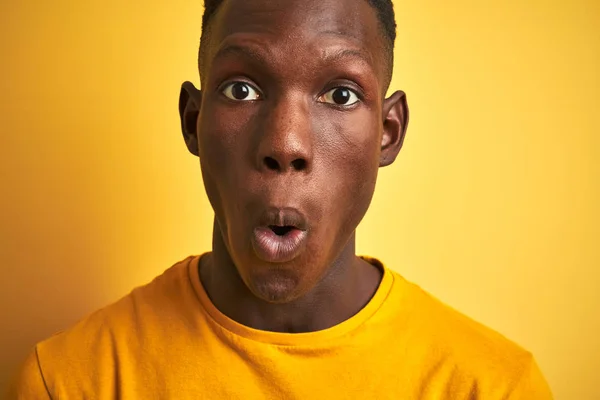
29, 383
459, 333
467, 350
99, 342
144, 304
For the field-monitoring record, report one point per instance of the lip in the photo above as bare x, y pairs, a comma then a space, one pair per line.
278, 248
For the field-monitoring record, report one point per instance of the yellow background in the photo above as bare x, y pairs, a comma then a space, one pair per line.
492, 205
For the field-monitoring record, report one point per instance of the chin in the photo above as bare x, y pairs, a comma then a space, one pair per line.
276, 285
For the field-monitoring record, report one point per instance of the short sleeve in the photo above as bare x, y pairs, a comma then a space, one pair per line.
531, 385
29, 383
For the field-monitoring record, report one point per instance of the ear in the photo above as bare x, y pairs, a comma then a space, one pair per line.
190, 100
395, 122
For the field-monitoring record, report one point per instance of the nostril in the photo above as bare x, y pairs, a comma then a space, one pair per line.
299, 164
271, 163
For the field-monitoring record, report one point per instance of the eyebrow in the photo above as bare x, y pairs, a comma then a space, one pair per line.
260, 58
338, 55
234, 49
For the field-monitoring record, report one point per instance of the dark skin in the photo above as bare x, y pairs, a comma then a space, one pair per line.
272, 129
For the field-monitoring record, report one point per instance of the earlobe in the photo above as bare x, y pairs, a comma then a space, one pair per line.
190, 100
395, 122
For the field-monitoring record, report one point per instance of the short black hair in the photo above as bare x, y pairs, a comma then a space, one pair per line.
383, 8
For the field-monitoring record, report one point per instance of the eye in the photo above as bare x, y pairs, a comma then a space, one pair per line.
241, 91
341, 96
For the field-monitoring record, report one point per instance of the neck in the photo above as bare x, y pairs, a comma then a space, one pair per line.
346, 288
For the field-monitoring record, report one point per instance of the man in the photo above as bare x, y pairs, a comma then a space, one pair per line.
290, 127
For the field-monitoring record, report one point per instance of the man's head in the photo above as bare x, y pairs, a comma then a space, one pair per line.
291, 127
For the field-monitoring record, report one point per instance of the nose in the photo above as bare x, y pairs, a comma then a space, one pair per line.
285, 137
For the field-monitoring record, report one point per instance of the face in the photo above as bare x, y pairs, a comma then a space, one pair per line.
291, 127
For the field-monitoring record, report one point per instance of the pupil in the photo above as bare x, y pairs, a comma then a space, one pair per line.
341, 96
240, 91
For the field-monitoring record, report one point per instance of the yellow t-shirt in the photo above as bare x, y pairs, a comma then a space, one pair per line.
166, 340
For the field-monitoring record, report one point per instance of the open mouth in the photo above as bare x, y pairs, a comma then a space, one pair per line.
280, 235
281, 230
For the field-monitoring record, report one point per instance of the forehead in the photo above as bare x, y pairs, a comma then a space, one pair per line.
300, 26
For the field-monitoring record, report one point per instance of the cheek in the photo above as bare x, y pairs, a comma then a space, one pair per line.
350, 155
215, 167
351, 151
221, 148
